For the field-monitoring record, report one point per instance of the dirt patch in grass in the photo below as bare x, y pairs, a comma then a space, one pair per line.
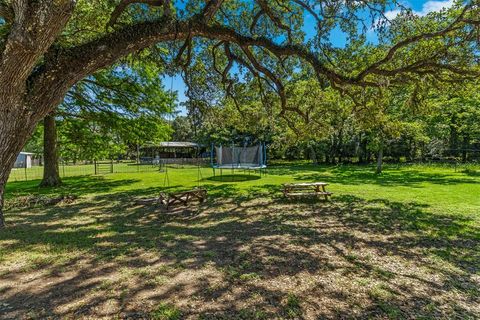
31, 200
106, 257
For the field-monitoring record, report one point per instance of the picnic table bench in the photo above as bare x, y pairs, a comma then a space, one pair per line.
182, 197
306, 189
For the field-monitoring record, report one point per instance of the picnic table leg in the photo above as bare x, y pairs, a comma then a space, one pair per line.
326, 195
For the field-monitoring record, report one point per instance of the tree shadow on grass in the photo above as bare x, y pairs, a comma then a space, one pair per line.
471, 172
233, 178
355, 175
80, 186
245, 257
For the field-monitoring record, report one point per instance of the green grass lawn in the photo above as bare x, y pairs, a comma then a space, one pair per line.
403, 244
439, 189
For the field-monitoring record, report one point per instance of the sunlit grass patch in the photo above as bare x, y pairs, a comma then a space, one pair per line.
165, 311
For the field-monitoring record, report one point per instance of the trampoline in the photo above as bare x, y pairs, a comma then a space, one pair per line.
239, 158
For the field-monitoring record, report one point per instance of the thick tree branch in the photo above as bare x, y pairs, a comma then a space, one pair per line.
226, 81
455, 25
278, 83
35, 27
211, 9
65, 68
255, 19
187, 45
311, 11
275, 19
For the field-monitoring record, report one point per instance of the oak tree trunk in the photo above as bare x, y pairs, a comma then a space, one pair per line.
51, 176
15, 129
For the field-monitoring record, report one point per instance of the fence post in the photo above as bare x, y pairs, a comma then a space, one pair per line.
95, 166
111, 166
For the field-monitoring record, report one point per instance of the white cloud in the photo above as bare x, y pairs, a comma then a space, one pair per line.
429, 6
392, 14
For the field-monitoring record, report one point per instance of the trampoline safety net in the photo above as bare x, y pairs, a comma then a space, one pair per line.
240, 157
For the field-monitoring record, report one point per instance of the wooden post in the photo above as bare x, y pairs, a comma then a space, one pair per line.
25, 166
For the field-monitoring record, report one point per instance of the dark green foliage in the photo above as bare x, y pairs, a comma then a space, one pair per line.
113, 111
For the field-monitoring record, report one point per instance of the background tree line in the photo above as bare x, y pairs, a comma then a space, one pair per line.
113, 112
421, 122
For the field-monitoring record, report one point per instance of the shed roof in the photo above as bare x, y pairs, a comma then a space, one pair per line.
175, 144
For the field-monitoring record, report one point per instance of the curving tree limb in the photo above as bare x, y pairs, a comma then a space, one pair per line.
211, 9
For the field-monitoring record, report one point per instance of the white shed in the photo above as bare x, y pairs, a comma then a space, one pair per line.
24, 160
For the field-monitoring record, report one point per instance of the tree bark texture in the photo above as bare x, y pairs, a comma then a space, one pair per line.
15, 129
51, 175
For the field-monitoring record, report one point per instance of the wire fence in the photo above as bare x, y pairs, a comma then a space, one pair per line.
65, 170
86, 168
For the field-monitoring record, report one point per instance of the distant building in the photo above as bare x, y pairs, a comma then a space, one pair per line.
24, 160
170, 150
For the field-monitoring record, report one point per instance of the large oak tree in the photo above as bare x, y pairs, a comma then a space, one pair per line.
47, 46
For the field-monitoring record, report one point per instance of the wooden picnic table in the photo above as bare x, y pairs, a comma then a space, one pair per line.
306, 189
183, 197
